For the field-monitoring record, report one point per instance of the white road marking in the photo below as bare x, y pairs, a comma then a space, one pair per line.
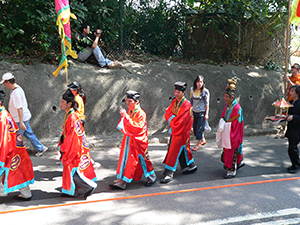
283, 212
281, 222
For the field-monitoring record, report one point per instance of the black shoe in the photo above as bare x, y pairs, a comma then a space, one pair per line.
190, 170
293, 170
240, 165
90, 192
18, 197
66, 195
114, 187
149, 183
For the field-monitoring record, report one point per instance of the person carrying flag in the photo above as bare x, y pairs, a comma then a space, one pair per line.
78, 171
80, 98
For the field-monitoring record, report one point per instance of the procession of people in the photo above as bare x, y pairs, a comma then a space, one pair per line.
184, 118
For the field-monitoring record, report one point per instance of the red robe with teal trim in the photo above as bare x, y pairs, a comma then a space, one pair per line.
75, 154
134, 156
231, 156
15, 162
179, 117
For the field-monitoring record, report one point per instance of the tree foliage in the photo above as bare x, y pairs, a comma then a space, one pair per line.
156, 26
29, 26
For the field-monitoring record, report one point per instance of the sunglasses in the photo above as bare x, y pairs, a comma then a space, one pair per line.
293, 67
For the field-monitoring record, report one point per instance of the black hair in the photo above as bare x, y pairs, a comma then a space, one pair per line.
199, 77
297, 88
84, 26
12, 80
76, 86
230, 92
2, 96
82, 94
69, 97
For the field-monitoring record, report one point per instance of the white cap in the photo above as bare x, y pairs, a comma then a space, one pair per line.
6, 76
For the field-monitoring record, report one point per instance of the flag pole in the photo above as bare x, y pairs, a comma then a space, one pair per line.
287, 44
66, 69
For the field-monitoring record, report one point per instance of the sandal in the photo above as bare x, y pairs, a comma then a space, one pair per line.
202, 143
196, 148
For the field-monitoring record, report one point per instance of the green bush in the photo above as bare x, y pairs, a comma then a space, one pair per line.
156, 30
152, 26
29, 27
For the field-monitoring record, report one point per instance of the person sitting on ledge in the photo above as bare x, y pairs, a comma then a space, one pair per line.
89, 47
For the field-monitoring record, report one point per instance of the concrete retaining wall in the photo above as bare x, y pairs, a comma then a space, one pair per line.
257, 88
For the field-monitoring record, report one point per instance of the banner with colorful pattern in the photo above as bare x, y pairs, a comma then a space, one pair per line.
295, 13
64, 29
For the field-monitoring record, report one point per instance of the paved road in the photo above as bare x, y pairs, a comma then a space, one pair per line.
262, 192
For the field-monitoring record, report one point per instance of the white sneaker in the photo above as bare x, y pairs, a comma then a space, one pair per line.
42, 152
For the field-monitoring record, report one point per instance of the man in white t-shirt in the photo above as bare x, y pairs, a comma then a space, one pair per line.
18, 108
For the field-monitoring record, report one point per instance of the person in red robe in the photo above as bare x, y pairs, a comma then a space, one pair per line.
80, 98
78, 171
134, 158
179, 117
233, 157
16, 170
